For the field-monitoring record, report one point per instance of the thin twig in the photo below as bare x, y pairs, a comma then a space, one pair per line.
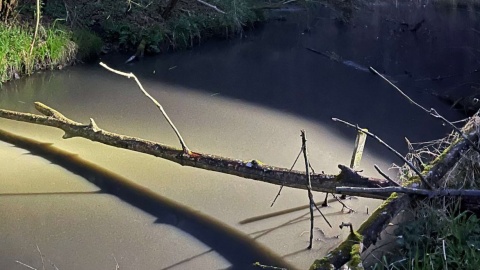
343, 204
311, 167
325, 218
186, 150
212, 6
309, 186
26, 265
53, 265
428, 185
432, 111
291, 168
385, 176
41, 256
116, 263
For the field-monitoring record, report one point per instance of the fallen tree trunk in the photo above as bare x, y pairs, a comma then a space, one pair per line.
248, 169
369, 231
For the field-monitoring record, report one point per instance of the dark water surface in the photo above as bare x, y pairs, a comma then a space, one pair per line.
244, 98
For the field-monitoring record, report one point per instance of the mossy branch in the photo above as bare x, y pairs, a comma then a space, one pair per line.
366, 235
374, 225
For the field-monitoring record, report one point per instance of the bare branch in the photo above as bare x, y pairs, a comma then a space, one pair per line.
26, 265
309, 188
385, 175
186, 150
432, 111
343, 204
41, 256
281, 187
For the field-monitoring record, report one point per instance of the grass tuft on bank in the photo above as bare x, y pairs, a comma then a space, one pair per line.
79, 29
52, 49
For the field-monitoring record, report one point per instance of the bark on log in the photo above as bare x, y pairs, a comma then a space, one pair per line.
247, 169
374, 225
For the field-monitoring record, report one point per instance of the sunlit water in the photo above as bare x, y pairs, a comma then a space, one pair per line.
245, 99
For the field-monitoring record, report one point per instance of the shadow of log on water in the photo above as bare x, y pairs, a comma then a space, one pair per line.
240, 250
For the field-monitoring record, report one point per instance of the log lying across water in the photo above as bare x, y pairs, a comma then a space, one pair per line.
248, 169
348, 251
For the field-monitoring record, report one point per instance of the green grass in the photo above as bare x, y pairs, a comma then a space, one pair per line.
189, 24
439, 236
53, 49
188, 28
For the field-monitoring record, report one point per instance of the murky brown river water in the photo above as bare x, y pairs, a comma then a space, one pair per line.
246, 99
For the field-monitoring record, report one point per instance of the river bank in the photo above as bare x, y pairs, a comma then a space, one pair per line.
72, 31
244, 98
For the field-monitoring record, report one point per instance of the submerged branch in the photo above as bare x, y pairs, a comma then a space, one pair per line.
247, 169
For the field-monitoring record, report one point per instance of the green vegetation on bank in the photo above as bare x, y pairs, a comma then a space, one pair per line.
438, 235
123, 25
53, 48
78, 29
440, 232
89, 44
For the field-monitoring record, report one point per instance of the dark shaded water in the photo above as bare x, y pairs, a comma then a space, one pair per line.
244, 98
